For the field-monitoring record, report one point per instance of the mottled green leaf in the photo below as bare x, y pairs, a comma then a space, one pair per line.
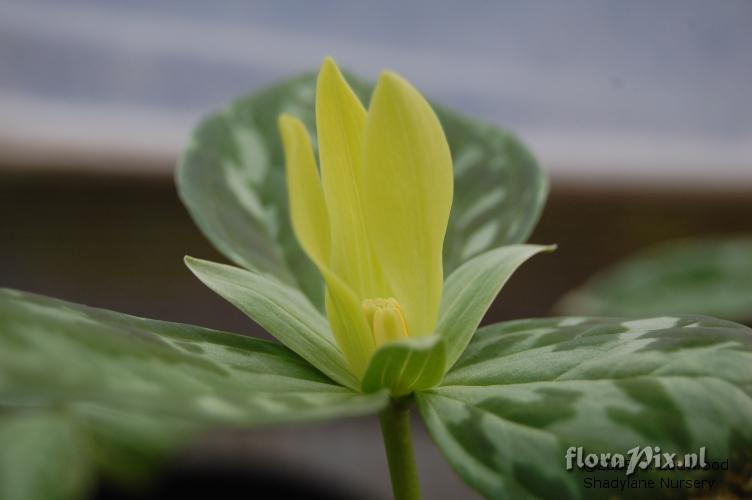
42, 457
406, 366
188, 371
470, 290
499, 190
281, 310
231, 178
707, 276
525, 391
142, 385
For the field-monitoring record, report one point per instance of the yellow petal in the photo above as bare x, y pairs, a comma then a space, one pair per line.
310, 222
407, 195
340, 121
308, 213
351, 331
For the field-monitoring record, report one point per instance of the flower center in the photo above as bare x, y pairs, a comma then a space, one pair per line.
386, 320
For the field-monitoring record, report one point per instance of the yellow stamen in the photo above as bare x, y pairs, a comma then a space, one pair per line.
386, 319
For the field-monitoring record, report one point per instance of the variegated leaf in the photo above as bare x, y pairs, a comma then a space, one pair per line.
139, 386
499, 189
704, 275
525, 391
231, 178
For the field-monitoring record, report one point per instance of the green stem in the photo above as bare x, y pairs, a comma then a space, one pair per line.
395, 427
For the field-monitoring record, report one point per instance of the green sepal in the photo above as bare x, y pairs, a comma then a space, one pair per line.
470, 290
281, 310
407, 365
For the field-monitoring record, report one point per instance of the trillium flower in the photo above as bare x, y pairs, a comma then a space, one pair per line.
374, 215
373, 219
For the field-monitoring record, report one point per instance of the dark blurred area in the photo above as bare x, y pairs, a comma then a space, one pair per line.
222, 480
118, 242
639, 111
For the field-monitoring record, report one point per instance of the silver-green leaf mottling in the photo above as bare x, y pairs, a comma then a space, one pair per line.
524, 391
129, 387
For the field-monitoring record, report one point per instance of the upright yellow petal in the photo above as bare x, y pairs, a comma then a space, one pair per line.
340, 121
310, 222
308, 212
407, 195
345, 314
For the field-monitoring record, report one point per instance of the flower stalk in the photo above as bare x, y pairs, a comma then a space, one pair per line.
398, 443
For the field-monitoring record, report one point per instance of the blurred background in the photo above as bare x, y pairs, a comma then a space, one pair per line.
640, 112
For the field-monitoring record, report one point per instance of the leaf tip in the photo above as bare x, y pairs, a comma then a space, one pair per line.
191, 262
